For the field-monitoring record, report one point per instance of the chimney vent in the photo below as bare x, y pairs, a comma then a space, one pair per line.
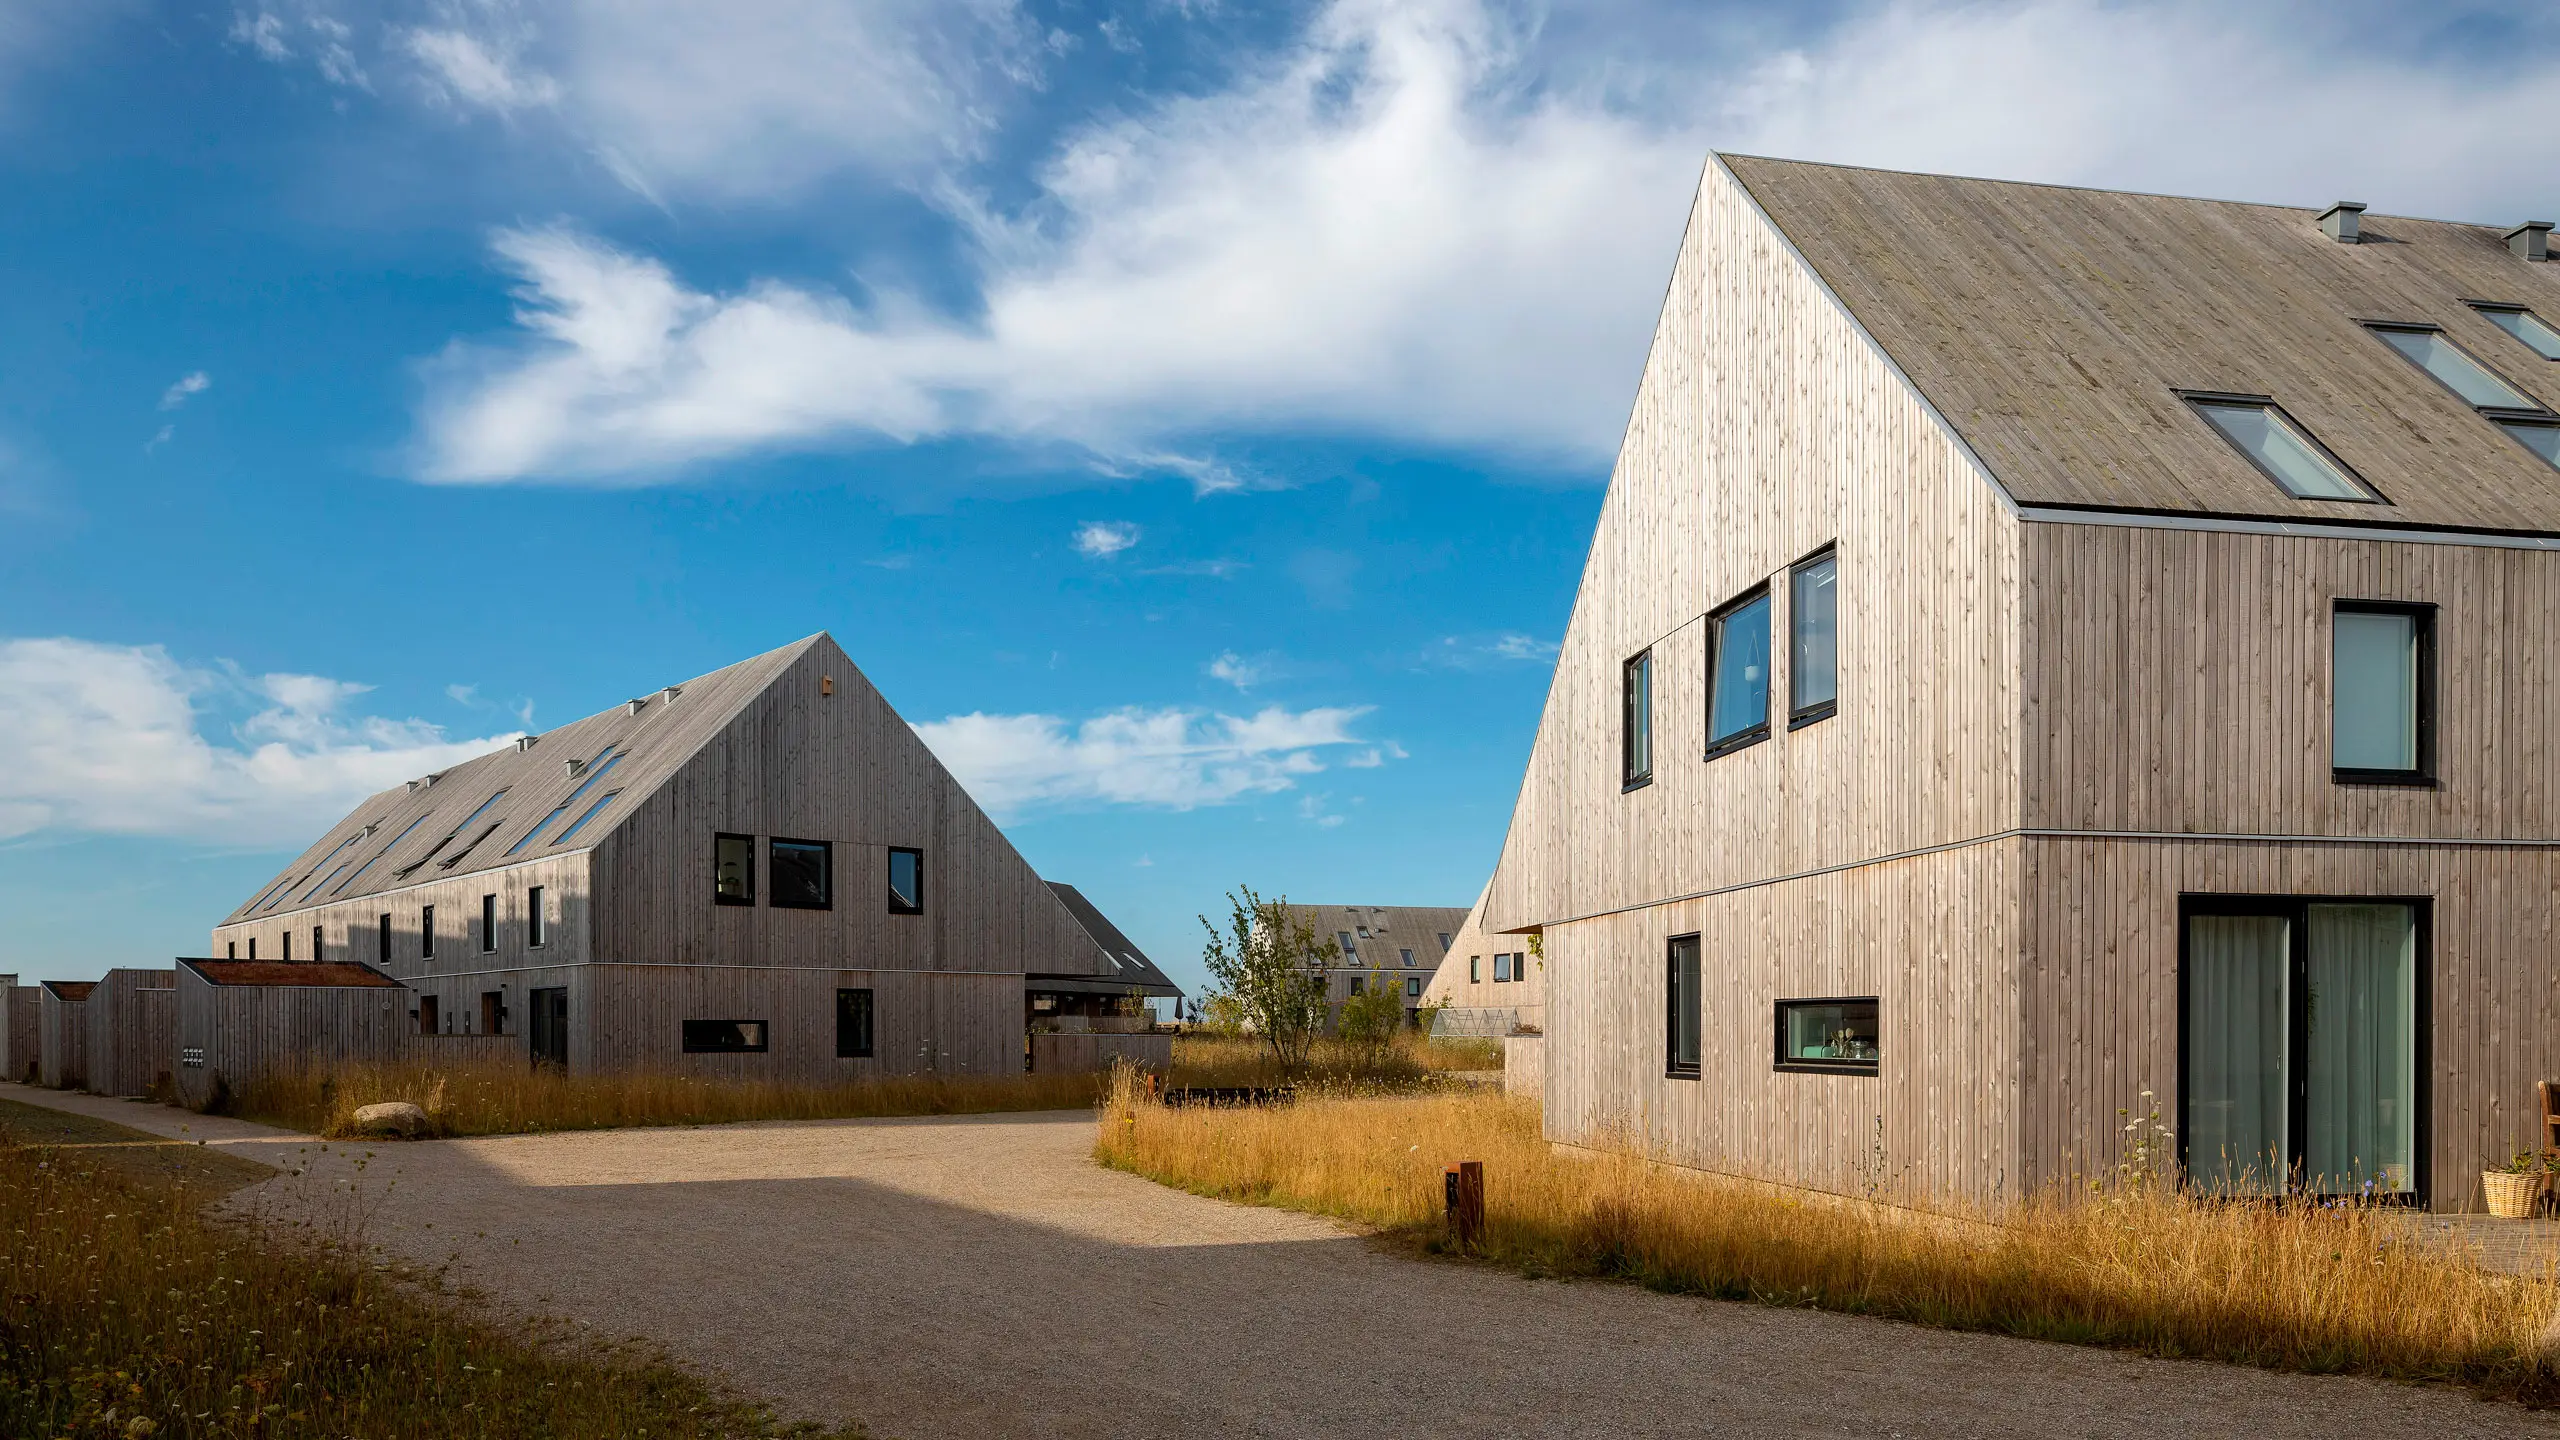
571, 768
525, 742
671, 692
636, 706
2344, 222
2531, 240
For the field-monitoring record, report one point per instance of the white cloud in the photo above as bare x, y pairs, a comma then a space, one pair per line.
1102, 539
1463, 652
110, 739
188, 386
488, 71
1235, 670
1169, 758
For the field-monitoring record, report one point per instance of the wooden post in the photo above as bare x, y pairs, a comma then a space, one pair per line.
1464, 1184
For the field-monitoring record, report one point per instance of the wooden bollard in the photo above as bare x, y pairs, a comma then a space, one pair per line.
1465, 1186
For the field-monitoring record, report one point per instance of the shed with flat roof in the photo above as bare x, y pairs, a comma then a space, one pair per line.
132, 1018
62, 1033
239, 1021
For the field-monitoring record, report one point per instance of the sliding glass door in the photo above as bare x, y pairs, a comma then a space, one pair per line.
2300, 1041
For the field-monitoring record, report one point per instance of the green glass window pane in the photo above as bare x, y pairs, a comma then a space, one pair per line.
2374, 691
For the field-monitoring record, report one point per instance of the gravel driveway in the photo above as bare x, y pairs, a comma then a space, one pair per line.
980, 1277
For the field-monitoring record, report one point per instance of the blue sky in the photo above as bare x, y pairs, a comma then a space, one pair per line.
1191, 415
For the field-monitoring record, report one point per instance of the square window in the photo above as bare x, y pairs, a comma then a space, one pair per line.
1635, 739
535, 930
2282, 450
1683, 1013
733, 869
724, 1037
2382, 693
1813, 639
906, 882
1738, 675
1828, 1035
802, 873
853, 1024
2536, 332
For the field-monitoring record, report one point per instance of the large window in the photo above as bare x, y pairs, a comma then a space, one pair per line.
1738, 674
2525, 419
1635, 742
2382, 693
1682, 1013
853, 1024
2536, 332
906, 881
733, 869
802, 873
1834, 1035
724, 1037
2300, 1037
2285, 452
1813, 634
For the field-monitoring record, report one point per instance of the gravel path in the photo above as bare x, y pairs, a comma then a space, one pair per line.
979, 1277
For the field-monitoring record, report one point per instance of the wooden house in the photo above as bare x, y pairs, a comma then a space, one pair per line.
21, 1009
1086, 1022
759, 873
239, 1021
1394, 946
2034, 641
132, 1019
1489, 984
62, 1033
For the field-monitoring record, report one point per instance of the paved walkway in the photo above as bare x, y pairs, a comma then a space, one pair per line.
979, 1277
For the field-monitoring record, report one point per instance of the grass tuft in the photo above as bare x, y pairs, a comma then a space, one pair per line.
2143, 1267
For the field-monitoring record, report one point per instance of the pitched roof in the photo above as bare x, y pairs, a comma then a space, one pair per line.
2052, 327
330, 975
1132, 969
441, 825
74, 991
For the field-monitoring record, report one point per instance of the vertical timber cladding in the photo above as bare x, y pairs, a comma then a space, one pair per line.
923, 1022
132, 1020
1767, 426
242, 1031
820, 755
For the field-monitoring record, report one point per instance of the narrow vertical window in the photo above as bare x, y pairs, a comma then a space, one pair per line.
853, 1024
536, 930
1682, 1015
1635, 745
802, 873
382, 946
906, 882
1813, 640
488, 924
288, 945
231, 950
426, 934
319, 950
1738, 674
2382, 693
733, 869
1475, 968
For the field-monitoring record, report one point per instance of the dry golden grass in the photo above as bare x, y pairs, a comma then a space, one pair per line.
511, 1097
125, 1314
1215, 1060
2294, 1287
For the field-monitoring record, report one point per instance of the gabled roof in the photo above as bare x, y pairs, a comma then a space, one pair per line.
2053, 328
73, 991
1132, 969
444, 825
327, 975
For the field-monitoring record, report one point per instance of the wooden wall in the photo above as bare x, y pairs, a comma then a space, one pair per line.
20, 1050
1485, 1006
62, 1041
351, 929
1766, 427
132, 1022
923, 1021
1081, 1054
246, 1031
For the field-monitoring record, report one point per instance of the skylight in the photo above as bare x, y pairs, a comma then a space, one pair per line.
324, 864
2426, 347
2526, 326
378, 854
414, 866
596, 770
581, 824
2542, 437
2300, 465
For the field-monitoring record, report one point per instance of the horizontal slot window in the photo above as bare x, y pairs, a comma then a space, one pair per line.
724, 1037
1828, 1035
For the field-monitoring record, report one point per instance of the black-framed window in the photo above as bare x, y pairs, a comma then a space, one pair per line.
1683, 1008
733, 868
426, 934
1502, 969
2536, 333
853, 1024
2382, 700
1738, 674
319, 947
537, 929
1359, 986
1813, 639
724, 1037
384, 945
2303, 1027
1835, 1034
488, 924
801, 874
2283, 451
288, 945
1413, 988
1475, 968
906, 881
2526, 420
1635, 740
1405, 953
253, 947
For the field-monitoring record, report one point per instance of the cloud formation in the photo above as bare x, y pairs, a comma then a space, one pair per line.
1102, 539
187, 386
1170, 758
110, 740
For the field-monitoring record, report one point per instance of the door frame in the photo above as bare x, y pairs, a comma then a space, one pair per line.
541, 1023
2294, 909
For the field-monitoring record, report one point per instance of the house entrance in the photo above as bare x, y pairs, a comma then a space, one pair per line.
549, 1025
2301, 1046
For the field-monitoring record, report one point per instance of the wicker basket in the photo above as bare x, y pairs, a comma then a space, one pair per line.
2511, 1196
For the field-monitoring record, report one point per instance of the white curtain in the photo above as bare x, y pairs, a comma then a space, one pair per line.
2364, 1077
2237, 967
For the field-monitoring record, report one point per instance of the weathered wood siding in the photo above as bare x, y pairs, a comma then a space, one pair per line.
243, 1032
922, 1021
352, 929
62, 1040
21, 1007
132, 1020
1485, 1006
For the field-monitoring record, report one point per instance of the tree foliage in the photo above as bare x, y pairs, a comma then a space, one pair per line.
1272, 966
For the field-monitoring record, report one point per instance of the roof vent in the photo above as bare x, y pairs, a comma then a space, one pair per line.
2531, 240
671, 692
572, 767
636, 706
2343, 222
525, 742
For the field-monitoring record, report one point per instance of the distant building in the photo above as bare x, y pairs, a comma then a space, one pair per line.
1488, 984
1396, 946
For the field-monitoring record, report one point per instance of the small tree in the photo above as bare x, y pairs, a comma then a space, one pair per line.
1221, 1014
1272, 965
1370, 1020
